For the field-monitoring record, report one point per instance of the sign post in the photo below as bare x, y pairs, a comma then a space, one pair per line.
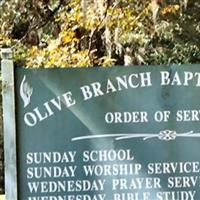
7, 68
122, 133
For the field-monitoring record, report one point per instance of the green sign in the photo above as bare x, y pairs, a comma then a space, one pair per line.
122, 133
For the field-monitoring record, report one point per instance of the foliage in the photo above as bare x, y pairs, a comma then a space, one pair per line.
82, 33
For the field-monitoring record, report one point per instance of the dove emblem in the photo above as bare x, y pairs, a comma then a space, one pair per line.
25, 92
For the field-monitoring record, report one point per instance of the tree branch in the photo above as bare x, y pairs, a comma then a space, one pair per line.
93, 32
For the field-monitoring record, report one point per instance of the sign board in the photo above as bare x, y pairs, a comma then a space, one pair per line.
121, 133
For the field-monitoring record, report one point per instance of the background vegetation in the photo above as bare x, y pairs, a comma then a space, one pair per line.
83, 33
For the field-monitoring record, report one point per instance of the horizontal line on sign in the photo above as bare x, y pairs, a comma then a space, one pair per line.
97, 136
165, 135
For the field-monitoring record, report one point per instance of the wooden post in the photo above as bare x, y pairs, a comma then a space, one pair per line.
9, 124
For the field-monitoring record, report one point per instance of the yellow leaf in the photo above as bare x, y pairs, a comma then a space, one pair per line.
170, 9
